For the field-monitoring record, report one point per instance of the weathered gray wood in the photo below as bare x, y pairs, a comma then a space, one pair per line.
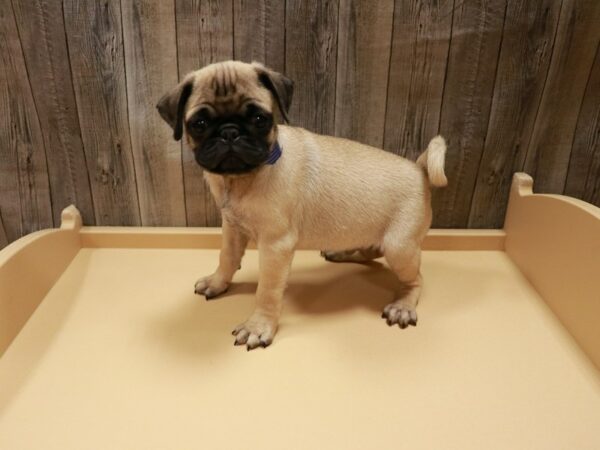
204, 36
41, 29
10, 197
3, 237
311, 61
151, 70
25, 203
204, 33
574, 51
96, 52
473, 58
364, 43
260, 32
529, 33
10, 109
78, 95
583, 179
417, 69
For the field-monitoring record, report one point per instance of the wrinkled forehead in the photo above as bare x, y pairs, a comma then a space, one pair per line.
227, 88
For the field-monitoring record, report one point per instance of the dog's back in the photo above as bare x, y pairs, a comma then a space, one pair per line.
355, 190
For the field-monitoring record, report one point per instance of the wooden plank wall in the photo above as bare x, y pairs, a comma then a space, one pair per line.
512, 84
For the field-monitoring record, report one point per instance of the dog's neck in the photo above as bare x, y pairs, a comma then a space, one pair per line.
231, 188
275, 154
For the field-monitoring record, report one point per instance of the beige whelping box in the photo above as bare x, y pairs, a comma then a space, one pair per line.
105, 346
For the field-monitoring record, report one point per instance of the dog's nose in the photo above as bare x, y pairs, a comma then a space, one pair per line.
229, 132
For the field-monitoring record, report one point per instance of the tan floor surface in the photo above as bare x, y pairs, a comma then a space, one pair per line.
122, 355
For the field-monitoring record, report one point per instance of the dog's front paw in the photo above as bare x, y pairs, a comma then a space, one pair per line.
400, 313
257, 331
211, 286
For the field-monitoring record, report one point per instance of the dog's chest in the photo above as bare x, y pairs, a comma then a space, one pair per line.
236, 209
242, 216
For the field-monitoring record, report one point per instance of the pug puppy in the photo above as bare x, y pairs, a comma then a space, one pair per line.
285, 187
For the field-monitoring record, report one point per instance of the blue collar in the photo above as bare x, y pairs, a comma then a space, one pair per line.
274, 155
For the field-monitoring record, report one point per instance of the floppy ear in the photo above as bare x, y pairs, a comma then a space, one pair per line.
172, 106
281, 88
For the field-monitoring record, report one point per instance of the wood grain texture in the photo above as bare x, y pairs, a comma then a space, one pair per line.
259, 32
364, 43
96, 52
583, 178
527, 45
25, 203
472, 62
417, 69
204, 36
577, 39
311, 61
512, 85
151, 70
3, 238
41, 29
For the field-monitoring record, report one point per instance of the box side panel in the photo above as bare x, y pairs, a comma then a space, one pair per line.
555, 242
210, 238
29, 267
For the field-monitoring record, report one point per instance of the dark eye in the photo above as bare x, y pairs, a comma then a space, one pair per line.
199, 125
260, 121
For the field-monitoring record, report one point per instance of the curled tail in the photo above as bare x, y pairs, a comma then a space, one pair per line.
432, 161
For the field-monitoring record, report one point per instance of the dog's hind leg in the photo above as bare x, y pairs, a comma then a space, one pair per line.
358, 255
403, 254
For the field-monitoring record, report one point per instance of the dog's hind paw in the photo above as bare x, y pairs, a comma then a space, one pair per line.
357, 255
335, 256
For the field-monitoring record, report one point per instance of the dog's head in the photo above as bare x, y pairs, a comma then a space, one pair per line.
228, 112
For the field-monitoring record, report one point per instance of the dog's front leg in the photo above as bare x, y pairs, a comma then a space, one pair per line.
232, 251
274, 258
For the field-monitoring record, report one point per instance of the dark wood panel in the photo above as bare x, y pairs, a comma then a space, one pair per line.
3, 238
204, 36
574, 51
364, 42
527, 43
260, 32
511, 84
311, 61
583, 179
25, 203
417, 69
96, 52
473, 59
151, 70
41, 29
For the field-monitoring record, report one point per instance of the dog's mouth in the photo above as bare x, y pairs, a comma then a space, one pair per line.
240, 156
232, 164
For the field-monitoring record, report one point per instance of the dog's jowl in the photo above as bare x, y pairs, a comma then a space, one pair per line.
285, 187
